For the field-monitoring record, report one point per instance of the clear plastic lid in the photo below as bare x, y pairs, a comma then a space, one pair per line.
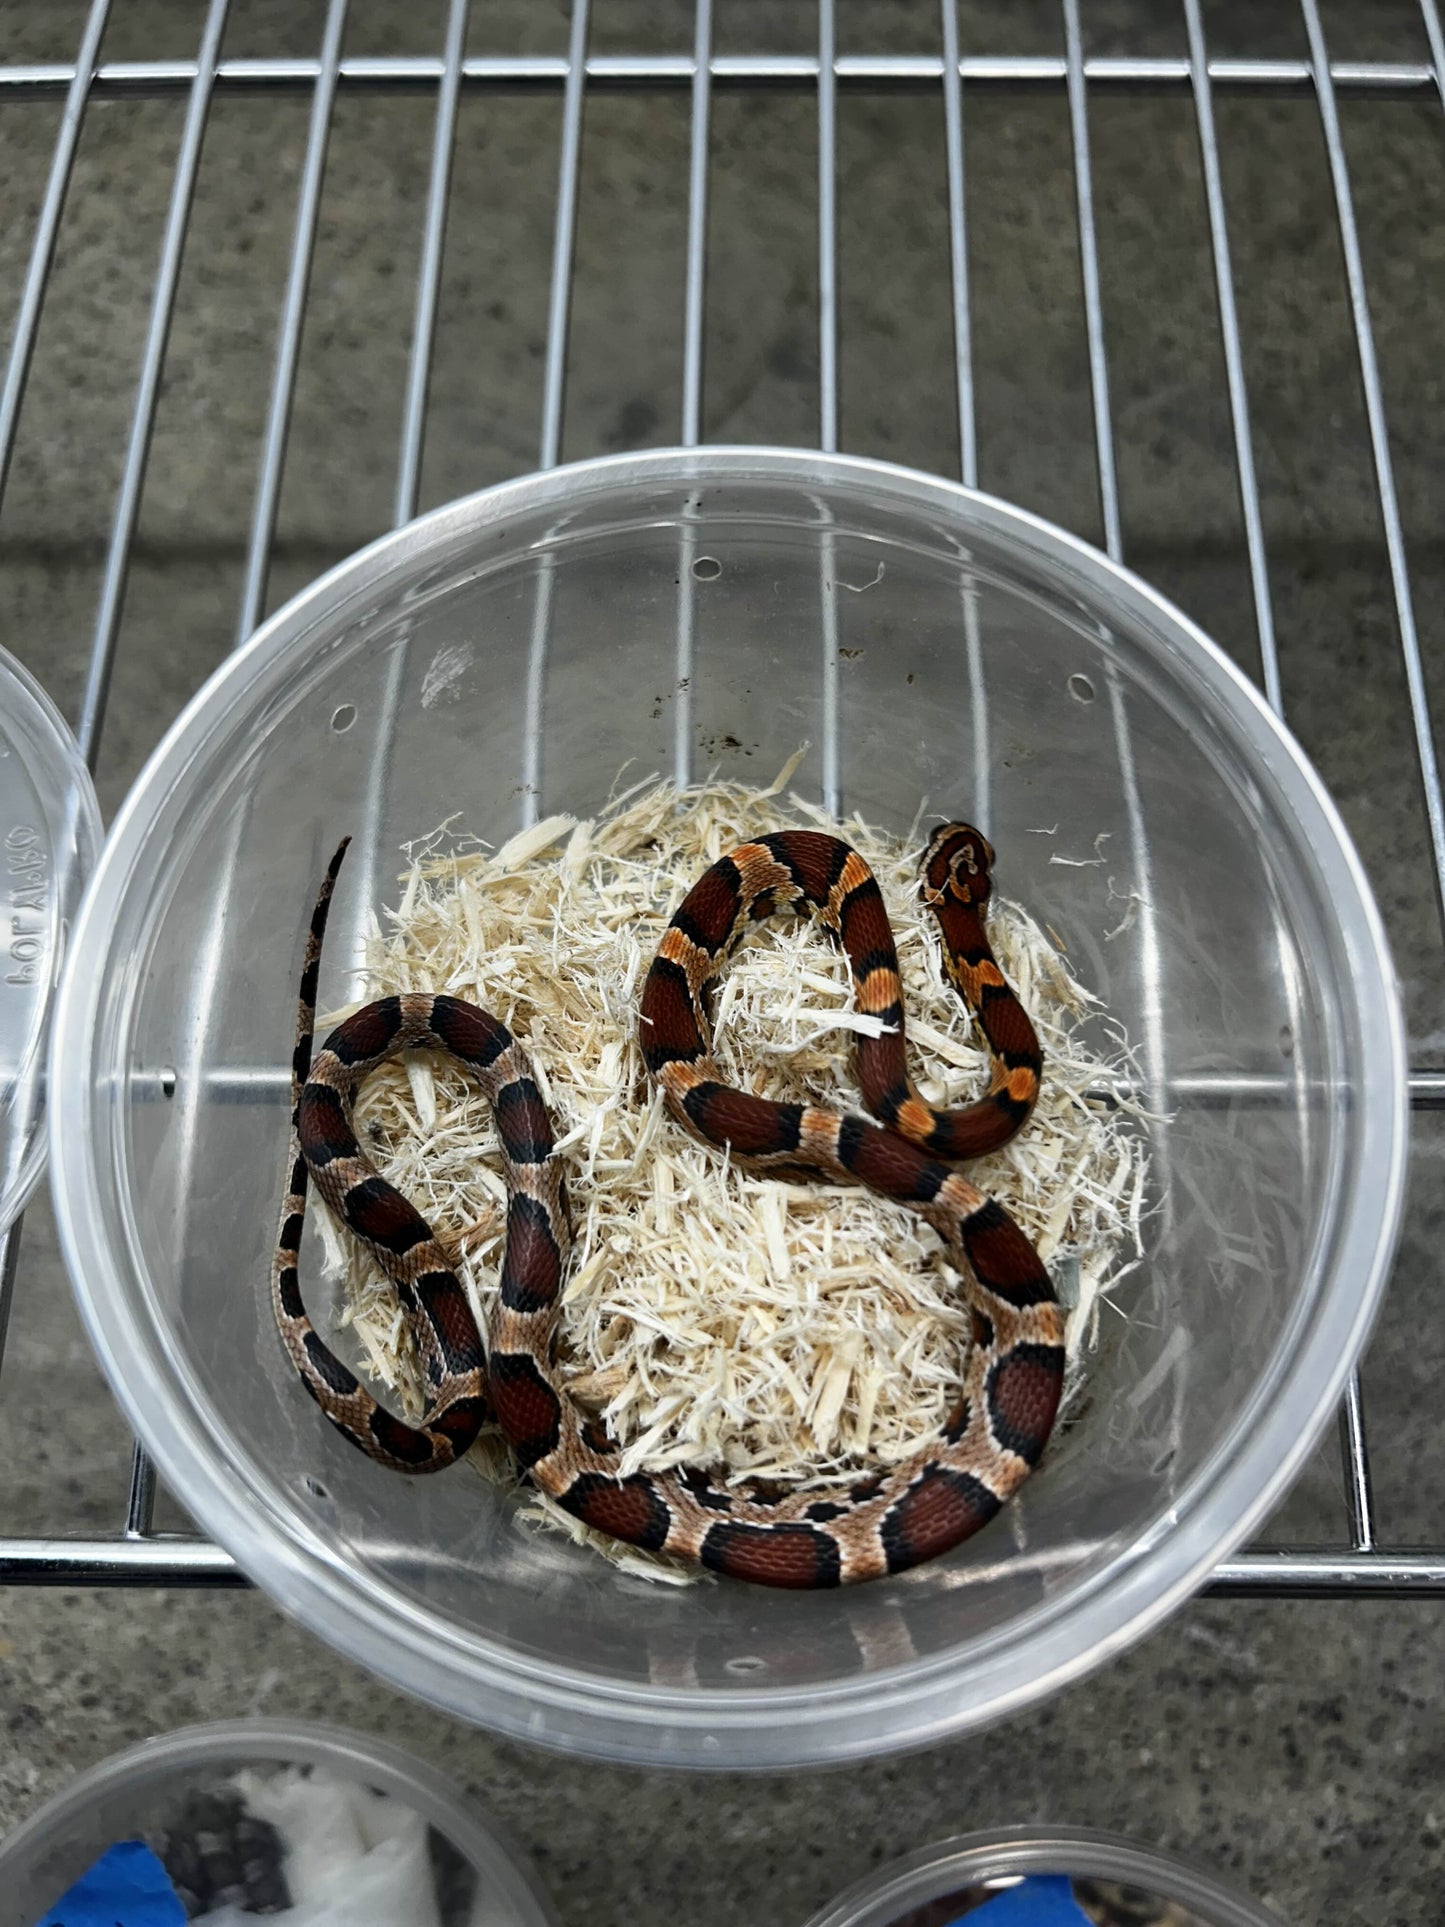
50, 835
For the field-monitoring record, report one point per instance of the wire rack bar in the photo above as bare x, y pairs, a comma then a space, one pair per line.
1074, 79
564, 237
117, 561
554, 383
293, 317
958, 246
1233, 356
1355, 1458
429, 274
138, 1556
1354, 1453
827, 232
140, 1505
982, 790
167, 1560
1354, 1446
693, 321
1202, 1090
173, 1561
914, 72
832, 777
695, 288
42, 249
140, 1501
1150, 966
371, 852
1433, 34
1329, 1575
9, 1267
1379, 443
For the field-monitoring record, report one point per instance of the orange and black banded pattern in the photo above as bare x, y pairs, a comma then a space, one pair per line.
1014, 1375
435, 1309
883, 1523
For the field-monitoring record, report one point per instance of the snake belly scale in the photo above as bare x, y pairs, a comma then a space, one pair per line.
884, 1521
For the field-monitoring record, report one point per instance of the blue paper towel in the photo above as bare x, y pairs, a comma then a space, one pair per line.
127, 1887
1041, 1900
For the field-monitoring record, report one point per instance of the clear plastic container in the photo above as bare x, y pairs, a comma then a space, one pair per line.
49, 836
943, 1883
512, 652
143, 1791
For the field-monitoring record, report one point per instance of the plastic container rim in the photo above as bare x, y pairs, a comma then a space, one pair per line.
907, 1706
64, 787
936, 1870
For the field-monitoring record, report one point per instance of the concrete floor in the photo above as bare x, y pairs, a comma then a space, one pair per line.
1297, 1747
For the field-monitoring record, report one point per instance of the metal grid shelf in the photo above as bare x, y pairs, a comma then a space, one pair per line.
137, 1555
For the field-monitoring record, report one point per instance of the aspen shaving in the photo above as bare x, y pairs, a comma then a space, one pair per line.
765, 1330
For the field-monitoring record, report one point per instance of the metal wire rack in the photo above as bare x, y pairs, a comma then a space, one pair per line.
1360, 1564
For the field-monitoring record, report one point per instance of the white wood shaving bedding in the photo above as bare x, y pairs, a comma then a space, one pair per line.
763, 1329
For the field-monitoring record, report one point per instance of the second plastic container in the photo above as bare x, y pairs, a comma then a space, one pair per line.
147, 1791
945, 1884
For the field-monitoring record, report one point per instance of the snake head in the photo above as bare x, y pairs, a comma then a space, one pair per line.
957, 864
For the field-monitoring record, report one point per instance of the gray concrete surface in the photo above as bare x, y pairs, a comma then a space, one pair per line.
1297, 1747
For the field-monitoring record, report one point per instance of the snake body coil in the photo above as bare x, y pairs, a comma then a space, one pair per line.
883, 1522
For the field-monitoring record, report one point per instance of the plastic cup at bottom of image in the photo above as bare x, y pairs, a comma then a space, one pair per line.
481, 1878
1106, 1880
